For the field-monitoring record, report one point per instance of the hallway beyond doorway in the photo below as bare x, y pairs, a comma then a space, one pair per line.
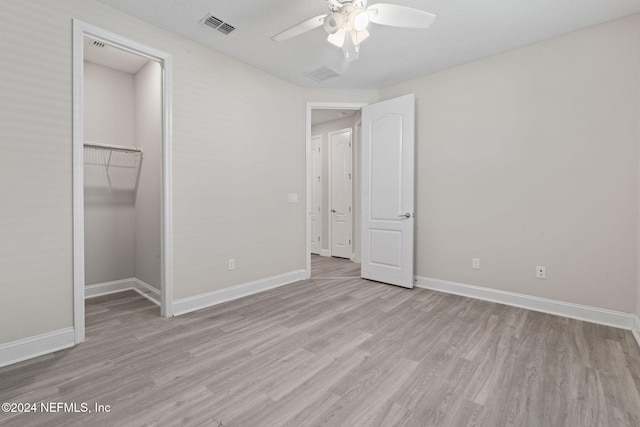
333, 268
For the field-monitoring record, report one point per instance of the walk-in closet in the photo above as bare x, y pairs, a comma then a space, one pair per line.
122, 109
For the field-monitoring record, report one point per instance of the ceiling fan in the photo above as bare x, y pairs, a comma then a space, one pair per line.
347, 23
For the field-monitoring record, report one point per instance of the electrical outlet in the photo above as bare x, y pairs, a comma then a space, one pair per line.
541, 272
475, 263
231, 264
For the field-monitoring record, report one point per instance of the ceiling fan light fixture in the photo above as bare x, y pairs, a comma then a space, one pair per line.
359, 20
337, 38
359, 36
333, 22
348, 20
350, 50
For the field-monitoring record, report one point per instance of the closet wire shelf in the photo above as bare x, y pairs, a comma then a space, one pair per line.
116, 167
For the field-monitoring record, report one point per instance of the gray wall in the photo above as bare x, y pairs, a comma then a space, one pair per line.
148, 96
109, 209
531, 158
122, 223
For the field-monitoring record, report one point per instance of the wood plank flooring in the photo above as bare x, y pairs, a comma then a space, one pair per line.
334, 351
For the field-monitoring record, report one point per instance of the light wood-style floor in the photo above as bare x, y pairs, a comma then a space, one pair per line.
335, 351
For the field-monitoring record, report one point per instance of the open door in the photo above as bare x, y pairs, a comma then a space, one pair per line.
388, 140
341, 193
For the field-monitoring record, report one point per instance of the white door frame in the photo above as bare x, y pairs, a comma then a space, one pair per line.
356, 138
319, 214
310, 107
80, 30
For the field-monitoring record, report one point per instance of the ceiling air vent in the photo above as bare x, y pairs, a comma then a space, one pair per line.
218, 24
96, 43
321, 74
226, 28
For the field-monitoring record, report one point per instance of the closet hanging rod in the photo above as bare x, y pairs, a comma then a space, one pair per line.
113, 147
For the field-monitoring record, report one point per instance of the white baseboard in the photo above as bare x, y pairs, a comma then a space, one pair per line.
148, 291
131, 284
27, 348
187, 305
602, 316
636, 328
325, 252
106, 288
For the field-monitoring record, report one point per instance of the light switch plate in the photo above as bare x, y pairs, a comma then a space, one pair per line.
293, 197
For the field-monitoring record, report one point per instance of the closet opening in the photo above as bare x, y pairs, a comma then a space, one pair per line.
333, 184
121, 170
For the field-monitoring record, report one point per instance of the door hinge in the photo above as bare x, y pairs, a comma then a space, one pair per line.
349, 176
349, 241
318, 238
349, 208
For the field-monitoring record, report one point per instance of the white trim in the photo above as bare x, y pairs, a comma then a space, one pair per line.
356, 189
106, 288
602, 316
166, 279
310, 107
131, 284
320, 214
635, 330
28, 348
78, 182
325, 252
187, 305
148, 291
80, 30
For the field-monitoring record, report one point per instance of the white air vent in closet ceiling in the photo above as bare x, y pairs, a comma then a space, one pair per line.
218, 24
96, 44
321, 74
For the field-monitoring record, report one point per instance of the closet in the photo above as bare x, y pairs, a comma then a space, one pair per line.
122, 171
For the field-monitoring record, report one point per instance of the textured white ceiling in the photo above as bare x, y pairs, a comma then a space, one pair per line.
465, 30
113, 57
323, 116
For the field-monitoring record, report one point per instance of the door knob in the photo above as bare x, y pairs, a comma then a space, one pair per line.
406, 215
333, 210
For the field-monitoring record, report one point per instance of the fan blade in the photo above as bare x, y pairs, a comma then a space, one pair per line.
399, 16
300, 28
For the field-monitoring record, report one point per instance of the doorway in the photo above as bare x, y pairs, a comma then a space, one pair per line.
333, 130
113, 175
384, 184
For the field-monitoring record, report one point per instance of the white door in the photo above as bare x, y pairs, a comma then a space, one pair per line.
316, 195
340, 193
388, 132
